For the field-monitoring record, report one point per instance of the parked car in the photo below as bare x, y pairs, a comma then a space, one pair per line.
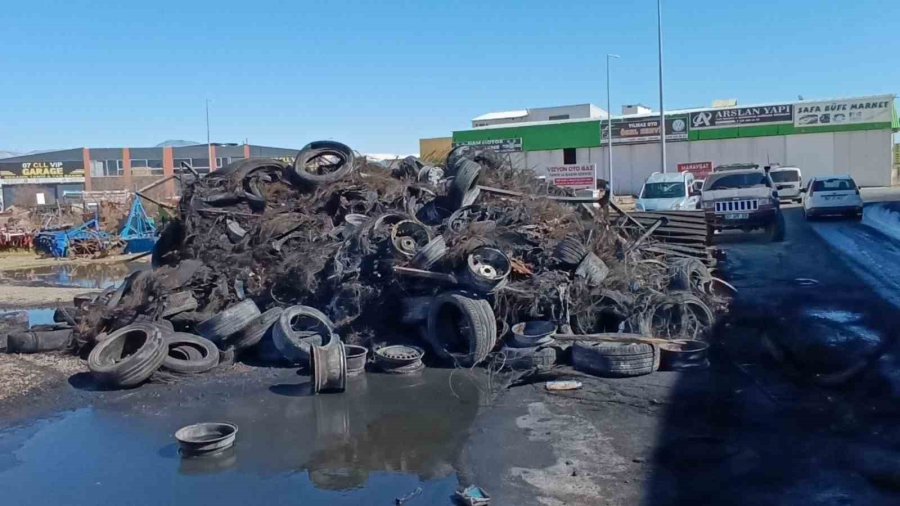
668, 192
832, 195
788, 181
743, 199
698, 185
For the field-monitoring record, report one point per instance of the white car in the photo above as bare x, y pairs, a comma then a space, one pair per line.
673, 191
788, 182
832, 195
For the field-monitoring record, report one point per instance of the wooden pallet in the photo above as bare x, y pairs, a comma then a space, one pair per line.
683, 235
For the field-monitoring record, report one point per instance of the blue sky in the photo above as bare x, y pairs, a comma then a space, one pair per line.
380, 75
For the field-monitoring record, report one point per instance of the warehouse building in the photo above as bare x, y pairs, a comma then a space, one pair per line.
848, 135
45, 178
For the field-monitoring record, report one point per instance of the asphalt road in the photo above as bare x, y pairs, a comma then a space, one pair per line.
799, 406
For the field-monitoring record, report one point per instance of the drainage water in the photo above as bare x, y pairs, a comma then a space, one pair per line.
383, 438
88, 276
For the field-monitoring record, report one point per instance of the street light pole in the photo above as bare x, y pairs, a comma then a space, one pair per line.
609, 142
662, 115
209, 144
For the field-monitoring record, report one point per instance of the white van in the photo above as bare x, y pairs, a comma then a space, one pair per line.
788, 182
669, 192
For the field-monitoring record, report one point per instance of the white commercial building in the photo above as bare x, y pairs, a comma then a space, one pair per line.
840, 136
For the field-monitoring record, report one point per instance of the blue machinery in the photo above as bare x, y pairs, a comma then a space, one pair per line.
139, 234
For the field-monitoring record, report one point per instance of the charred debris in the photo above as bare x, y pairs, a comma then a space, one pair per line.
411, 264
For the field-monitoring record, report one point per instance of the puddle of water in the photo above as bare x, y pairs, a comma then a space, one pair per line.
383, 438
88, 276
835, 315
841, 327
36, 316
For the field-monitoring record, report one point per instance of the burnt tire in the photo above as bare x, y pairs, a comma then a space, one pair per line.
456, 155
254, 332
232, 320
39, 341
430, 254
460, 329
317, 149
521, 359
201, 354
129, 356
295, 345
614, 359
569, 252
464, 187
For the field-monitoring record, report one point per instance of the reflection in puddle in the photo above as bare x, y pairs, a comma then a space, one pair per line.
381, 439
90, 276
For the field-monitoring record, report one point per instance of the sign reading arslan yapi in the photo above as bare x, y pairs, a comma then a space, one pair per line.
40, 170
721, 118
498, 145
575, 176
844, 112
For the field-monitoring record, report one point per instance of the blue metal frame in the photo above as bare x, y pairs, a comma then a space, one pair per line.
139, 232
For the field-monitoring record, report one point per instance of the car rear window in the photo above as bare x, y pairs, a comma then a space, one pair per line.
663, 190
785, 176
739, 181
833, 185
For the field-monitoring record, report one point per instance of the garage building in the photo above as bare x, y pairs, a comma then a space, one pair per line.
45, 178
847, 135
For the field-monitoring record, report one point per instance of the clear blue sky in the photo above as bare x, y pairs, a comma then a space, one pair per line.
380, 75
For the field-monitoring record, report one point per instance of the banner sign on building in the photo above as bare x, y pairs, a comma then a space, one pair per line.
699, 169
844, 112
633, 131
498, 145
575, 176
723, 118
40, 170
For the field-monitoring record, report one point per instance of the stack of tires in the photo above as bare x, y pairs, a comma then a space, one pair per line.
615, 359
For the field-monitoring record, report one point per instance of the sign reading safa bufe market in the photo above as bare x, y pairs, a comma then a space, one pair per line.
574, 176
844, 112
40, 170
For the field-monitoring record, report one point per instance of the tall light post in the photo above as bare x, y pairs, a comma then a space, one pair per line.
662, 115
212, 163
609, 142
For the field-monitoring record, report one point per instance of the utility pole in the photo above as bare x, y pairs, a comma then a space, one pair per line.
609, 141
662, 114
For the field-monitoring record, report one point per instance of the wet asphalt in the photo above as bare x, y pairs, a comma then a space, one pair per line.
757, 427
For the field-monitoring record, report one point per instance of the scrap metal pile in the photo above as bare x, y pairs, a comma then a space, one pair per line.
452, 265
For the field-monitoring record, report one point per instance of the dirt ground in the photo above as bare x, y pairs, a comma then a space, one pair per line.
27, 260
21, 297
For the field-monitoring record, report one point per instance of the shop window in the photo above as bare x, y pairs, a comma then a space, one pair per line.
569, 157
105, 168
155, 166
222, 161
138, 164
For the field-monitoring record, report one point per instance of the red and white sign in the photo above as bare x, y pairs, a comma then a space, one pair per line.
699, 169
576, 176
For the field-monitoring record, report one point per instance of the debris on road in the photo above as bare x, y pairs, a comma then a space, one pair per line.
298, 262
562, 386
472, 496
206, 439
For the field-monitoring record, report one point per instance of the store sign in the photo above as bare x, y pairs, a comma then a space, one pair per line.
844, 112
699, 169
723, 118
633, 131
575, 176
498, 145
40, 170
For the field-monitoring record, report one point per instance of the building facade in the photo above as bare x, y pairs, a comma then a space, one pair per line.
843, 136
45, 178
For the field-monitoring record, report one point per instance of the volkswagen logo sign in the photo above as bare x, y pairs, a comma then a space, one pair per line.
678, 125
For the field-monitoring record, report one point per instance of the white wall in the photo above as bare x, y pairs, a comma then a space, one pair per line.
865, 155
